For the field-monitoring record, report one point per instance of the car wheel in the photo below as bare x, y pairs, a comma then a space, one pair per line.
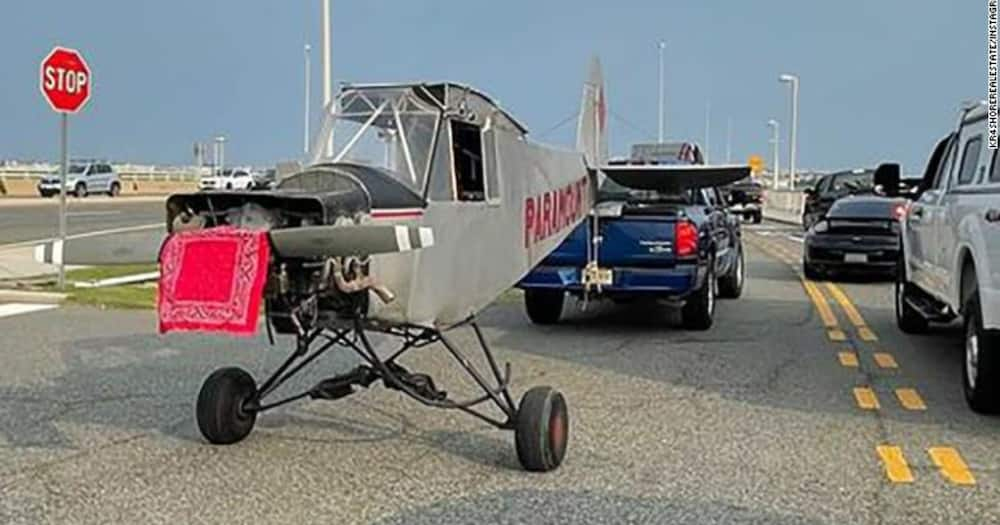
544, 306
81, 190
699, 311
981, 366
731, 284
220, 411
116, 189
229, 185
908, 318
811, 272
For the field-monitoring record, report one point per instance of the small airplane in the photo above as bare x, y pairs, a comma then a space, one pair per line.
434, 203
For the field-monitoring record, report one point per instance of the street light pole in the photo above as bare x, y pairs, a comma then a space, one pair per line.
729, 140
708, 131
220, 143
663, 47
305, 147
775, 141
794, 82
327, 67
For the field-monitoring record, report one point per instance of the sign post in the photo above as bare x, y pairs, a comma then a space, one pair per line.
65, 83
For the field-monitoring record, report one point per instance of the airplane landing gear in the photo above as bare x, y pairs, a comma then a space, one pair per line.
542, 429
230, 400
220, 410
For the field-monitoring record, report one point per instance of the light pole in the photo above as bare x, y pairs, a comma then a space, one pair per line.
729, 140
327, 68
775, 141
708, 131
305, 147
663, 47
220, 148
794, 82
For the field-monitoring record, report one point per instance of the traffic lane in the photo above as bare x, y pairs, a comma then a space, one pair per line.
29, 222
742, 423
930, 418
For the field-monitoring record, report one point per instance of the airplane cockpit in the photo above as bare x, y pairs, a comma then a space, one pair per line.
439, 140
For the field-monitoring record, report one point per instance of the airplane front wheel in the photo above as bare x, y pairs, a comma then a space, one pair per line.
221, 408
542, 429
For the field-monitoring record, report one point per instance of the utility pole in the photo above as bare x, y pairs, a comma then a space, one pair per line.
327, 67
305, 146
708, 130
775, 142
729, 140
793, 81
663, 47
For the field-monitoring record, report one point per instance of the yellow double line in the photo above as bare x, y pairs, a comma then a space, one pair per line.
822, 305
949, 462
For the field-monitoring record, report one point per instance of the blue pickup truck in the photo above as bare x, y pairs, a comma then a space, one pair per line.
663, 232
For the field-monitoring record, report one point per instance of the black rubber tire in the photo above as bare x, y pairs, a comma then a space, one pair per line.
115, 190
80, 191
983, 392
219, 411
731, 284
544, 306
811, 272
698, 312
758, 217
542, 429
229, 186
908, 318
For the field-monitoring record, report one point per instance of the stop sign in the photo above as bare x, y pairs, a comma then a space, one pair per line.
65, 80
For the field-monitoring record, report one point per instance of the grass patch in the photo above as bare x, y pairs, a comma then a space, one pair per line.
129, 297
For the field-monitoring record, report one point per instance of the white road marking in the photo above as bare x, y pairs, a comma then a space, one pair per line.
91, 213
7, 310
800, 240
426, 237
403, 239
84, 235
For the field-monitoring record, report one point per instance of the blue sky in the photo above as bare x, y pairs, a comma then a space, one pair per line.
880, 79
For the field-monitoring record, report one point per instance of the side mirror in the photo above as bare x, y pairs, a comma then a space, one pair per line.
887, 176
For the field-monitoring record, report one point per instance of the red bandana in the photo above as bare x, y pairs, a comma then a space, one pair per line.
213, 280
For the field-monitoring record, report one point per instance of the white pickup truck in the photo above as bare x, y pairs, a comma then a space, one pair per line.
950, 265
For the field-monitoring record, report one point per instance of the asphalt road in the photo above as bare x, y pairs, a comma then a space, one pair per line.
39, 219
754, 421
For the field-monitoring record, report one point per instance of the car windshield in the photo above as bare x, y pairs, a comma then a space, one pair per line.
386, 127
853, 182
77, 168
612, 191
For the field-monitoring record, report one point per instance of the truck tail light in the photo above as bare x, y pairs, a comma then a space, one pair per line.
685, 238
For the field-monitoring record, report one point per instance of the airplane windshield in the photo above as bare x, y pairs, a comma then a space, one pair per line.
387, 127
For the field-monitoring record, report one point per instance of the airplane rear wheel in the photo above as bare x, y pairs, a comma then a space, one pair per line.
220, 411
542, 429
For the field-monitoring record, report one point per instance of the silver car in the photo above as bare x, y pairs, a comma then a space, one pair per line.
82, 180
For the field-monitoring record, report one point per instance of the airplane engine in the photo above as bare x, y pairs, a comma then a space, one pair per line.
309, 280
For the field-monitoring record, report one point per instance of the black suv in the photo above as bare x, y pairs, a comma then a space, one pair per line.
831, 187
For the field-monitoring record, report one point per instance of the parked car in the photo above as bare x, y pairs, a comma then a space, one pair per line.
681, 247
83, 179
950, 266
821, 196
746, 199
229, 179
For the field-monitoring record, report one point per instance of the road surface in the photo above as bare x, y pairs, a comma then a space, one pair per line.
34, 219
769, 417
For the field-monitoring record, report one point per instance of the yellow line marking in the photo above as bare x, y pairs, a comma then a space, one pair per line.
910, 399
846, 305
821, 304
951, 465
866, 334
896, 468
837, 335
848, 359
884, 360
866, 398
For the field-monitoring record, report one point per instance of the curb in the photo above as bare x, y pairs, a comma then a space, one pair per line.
20, 296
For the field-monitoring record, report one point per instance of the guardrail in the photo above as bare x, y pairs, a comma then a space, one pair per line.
784, 206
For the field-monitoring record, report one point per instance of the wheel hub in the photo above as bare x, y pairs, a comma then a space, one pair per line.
971, 355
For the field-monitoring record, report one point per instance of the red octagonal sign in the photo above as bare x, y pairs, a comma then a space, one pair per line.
65, 80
